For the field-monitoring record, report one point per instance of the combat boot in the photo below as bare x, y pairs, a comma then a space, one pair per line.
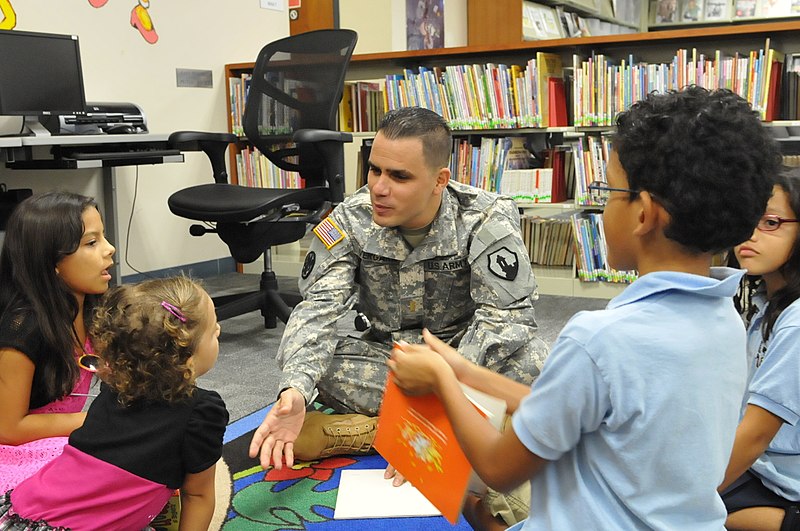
326, 435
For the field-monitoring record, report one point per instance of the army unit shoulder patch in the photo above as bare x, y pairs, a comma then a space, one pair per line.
503, 263
308, 264
328, 233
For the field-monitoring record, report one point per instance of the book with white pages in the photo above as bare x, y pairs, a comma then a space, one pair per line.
366, 494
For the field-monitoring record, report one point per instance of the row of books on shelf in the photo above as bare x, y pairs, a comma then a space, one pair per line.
589, 156
486, 96
541, 22
572, 238
544, 93
506, 166
790, 88
591, 253
275, 117
256, 170
238, 88
362, 107
716, 11
602, 89
549, 240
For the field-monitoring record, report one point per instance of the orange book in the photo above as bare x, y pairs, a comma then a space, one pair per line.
416, 438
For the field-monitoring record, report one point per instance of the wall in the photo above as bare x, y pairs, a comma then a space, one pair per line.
119, 65
381, 24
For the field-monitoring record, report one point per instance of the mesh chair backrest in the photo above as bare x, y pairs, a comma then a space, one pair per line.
297, 83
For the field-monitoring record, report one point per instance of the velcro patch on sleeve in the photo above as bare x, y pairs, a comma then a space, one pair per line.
328, 233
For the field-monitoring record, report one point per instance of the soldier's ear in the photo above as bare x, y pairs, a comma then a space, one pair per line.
442, 178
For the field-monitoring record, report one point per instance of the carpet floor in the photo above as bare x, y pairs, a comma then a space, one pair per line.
300, 498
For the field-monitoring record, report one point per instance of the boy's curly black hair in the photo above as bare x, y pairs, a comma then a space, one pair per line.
144, 347
706, 158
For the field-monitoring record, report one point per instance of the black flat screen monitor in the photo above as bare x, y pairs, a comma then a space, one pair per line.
40, 74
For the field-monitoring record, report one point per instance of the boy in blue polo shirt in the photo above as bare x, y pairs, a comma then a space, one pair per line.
631, 422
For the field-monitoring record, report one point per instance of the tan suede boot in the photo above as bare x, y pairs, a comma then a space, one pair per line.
326, 435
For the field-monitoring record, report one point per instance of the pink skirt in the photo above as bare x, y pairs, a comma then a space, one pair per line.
22, 461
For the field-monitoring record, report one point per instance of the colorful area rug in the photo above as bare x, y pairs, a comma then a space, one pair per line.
302, 497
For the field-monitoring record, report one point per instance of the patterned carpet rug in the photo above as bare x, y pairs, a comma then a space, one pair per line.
302, 497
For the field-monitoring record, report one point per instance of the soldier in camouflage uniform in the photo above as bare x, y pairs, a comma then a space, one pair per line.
468, 281
420, 251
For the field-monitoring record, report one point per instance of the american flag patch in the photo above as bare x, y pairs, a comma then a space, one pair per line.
329, 233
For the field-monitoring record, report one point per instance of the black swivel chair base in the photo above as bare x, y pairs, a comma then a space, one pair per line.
273, 304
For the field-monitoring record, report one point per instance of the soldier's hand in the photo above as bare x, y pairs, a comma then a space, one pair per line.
457, 362
274, 439
396, 477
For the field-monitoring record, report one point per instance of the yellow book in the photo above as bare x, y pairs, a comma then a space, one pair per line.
547, 65
516, 73
346, 110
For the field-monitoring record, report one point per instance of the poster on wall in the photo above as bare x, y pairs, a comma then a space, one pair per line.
424, 24
9, 16
140, 19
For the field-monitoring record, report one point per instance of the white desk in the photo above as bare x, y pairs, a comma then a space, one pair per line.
11, 141
70, 152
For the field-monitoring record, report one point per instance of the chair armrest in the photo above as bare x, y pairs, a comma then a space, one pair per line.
213, 145
321, 135
193, 140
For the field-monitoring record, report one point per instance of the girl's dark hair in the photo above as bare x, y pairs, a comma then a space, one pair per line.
41, 231
789, 180
145, 346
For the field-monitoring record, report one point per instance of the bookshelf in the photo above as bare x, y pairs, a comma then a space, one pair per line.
657, 46
495, 23
665, 14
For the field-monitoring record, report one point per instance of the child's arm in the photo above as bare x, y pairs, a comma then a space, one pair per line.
418, 370
16, 425
478, 377
757, 428
197, 500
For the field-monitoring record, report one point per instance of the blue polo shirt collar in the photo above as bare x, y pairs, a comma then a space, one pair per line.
722, 282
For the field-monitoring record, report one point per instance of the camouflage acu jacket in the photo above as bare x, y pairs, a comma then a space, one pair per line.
469, 282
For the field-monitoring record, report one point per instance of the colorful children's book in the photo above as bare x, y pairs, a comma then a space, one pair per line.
416, 437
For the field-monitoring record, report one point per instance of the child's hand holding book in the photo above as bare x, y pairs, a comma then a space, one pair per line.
419, 369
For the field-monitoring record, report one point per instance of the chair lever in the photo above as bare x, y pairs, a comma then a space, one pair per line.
199, 230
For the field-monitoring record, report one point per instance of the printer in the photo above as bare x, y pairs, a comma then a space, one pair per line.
99, 118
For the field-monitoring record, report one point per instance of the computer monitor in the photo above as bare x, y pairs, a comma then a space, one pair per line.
40, 75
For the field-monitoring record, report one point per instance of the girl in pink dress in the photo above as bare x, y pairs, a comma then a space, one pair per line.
54, 262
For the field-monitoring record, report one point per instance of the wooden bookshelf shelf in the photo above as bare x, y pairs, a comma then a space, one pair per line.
672, 36
653, 46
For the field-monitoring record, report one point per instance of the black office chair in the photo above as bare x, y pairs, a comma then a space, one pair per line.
294, 96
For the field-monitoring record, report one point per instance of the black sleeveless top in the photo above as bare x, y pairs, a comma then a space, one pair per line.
19, 331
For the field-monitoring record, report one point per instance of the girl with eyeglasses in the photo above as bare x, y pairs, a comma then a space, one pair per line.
54, 262
761, 489
150, 431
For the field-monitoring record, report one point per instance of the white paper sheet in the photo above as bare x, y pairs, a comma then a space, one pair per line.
365, 494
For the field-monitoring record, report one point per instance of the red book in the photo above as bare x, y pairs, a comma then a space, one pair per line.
773, 96
558, 102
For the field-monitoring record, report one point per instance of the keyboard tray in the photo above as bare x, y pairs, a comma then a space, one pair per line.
116, 155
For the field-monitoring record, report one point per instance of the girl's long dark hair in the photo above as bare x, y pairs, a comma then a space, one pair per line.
41, 231
789, 180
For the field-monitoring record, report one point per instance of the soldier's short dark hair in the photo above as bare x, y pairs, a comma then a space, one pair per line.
429, 127
706, 157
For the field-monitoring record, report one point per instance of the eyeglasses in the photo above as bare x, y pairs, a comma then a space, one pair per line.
770, 222
601, 192
89, 362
